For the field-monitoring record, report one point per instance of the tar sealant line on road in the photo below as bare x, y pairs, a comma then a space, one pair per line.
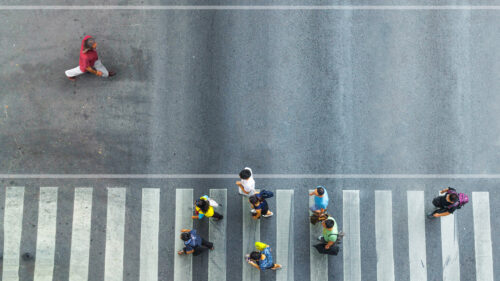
13, 224
217, 235
250, 7
150, 229
449, 248
284, 235
352, 239
383, 235
416, 236
80, 238
183, 265
318, 263
115, 231
260, 176
482, 236
46, 234
251, 234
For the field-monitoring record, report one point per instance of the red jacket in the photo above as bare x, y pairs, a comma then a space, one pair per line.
88, 58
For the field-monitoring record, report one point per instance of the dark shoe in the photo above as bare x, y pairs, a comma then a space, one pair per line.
72, 78
111, 73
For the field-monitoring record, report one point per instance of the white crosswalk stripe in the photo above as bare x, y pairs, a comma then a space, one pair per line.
217, 235
80, 238
416, 236
150, 228
12, 227
183, 265
46, 234
482, 235
383, 235
115, 230
251, 234
284, 235
449, 248
218, 259
317, 262
352, 240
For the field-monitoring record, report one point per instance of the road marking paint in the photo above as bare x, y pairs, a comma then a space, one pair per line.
351, 241
150, 229
383, 235
46, 234
217, 235
13, 225
251, 7
318, 262
416, 236
261, 176
482, 236
251, 234
80, 237
115, 230
284, 235
449, 248
183, 265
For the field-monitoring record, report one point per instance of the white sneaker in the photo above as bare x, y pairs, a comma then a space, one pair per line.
269, 214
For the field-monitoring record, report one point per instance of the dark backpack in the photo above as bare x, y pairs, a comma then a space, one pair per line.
266, 194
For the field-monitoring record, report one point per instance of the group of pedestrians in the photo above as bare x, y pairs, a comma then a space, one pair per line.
446, 203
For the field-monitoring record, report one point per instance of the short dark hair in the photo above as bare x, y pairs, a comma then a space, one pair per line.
320, 190
245, 174
255, 255
185, 236
453, 197
253, 199
329, 223
202, 204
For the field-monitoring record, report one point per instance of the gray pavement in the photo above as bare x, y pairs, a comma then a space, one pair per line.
279, 91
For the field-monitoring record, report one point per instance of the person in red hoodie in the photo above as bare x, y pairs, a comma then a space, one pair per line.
89, 61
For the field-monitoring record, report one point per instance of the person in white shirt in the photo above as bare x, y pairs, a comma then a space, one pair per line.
247, 183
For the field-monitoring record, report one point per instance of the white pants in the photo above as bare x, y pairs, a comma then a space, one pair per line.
97, 65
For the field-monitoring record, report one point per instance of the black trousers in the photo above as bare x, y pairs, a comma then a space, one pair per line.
217, 216
204, 246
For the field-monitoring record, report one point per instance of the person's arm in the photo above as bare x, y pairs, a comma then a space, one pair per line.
444, 190
185, 230
241, 187
258, 212
184, 252
93, 71
312, 193
329, 244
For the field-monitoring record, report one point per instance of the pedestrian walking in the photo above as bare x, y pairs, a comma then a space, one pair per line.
330, 236
246, 184
204, 207
259, 206
320, 199
89, 61
448, 202
193, 243
262, 259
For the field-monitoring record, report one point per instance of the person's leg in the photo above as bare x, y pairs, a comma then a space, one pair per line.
217, 216
207, 244
276, 266
100, 67
72, 73
265, 212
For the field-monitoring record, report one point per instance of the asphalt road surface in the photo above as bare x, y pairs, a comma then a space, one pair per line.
290, 92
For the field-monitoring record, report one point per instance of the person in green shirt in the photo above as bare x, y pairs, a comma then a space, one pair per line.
330, 232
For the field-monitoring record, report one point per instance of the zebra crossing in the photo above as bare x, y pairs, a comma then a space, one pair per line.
283, 249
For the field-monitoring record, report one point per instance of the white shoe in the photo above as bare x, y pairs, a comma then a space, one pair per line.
270, 214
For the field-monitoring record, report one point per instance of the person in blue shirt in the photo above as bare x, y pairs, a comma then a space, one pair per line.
193, 243
262, 259
320, 199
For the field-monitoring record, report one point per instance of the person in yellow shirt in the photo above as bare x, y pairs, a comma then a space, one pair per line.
204, 209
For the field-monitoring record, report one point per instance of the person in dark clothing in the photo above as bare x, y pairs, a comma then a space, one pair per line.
445, 204
259, 206
193, 243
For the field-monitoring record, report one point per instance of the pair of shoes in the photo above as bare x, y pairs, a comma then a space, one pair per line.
269, 214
